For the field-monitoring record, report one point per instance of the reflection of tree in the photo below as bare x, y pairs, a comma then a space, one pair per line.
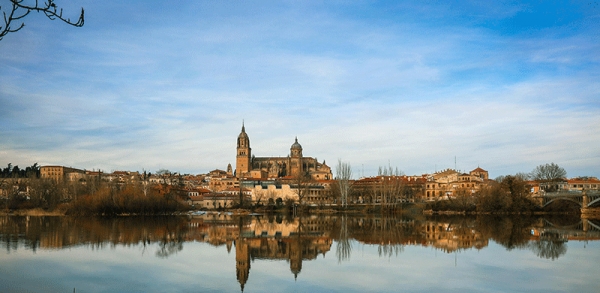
389, 249
172, 240
344, 246
167, 247
62, 232
509, 232
389, 234
550, 246
392, 233
312, 236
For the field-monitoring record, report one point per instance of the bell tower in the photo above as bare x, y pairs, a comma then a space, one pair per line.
296, 158
242, 162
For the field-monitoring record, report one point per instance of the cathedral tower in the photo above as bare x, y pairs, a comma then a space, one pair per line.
296, 159
242, 162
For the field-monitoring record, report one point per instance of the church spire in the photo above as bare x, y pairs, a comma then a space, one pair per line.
242, 164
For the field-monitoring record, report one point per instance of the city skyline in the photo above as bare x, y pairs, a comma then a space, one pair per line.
505, 86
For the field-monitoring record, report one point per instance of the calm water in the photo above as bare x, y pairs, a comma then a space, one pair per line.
223, 253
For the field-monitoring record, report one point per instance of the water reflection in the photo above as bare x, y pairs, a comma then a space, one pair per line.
296, 240
551, 245
63, 232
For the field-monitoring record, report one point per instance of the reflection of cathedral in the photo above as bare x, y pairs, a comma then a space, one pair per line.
293, 165
242, 261
279, 241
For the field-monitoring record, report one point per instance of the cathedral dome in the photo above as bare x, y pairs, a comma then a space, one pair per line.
243, 133
243, 141
296, 145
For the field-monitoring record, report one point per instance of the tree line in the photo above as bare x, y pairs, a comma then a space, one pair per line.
89, 196
11, 171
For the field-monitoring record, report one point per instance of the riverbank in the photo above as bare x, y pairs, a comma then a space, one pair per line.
32, 212
411, 209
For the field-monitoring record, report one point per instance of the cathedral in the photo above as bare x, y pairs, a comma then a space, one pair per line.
292, 166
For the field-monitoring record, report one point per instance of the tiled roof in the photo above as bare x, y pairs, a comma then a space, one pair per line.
583, 181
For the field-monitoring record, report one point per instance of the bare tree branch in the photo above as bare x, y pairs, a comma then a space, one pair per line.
19, 10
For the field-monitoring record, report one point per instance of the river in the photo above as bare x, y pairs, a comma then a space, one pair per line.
331, 253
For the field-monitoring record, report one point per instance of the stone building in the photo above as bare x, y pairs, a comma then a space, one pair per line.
580, 184
60, 173
450, 183
293, 165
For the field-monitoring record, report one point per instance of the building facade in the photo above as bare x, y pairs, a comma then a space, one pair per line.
451, 183
60, 173
293, 165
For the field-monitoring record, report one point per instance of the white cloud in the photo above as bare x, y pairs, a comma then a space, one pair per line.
413, 91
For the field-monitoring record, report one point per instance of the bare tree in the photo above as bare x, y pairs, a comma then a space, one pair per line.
18, 10
302, 181
548, 173
344, 174
390, 189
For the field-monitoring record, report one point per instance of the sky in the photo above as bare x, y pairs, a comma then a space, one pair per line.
416, 85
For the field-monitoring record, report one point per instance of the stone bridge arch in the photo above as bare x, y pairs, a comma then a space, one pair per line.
594, 200
571, 199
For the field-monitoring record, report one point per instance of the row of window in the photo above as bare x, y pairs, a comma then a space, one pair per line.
440, 193
433, 186
582, 186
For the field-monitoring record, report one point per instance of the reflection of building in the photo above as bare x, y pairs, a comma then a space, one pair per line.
452, 238
242, 261
258, 238
394, 231
278, 240
294, 165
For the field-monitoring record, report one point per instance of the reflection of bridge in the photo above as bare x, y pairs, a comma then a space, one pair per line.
582, 230
585, 199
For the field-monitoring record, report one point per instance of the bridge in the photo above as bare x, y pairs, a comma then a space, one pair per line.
585, 199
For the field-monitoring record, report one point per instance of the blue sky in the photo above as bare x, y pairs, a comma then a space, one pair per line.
145, 85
